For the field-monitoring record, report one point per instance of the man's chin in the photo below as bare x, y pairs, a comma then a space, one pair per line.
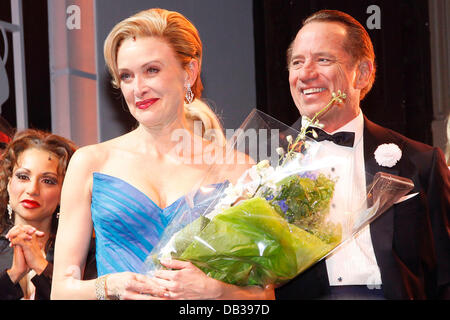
310, 112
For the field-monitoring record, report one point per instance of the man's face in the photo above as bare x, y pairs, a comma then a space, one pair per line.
319, 66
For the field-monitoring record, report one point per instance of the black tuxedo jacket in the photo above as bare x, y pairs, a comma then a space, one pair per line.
411, 240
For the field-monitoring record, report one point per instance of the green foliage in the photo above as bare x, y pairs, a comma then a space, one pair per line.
251, 244
260, 241
305, 202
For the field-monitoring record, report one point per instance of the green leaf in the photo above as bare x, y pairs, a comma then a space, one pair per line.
251, 244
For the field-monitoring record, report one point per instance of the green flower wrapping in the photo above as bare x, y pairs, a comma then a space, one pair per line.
250, 244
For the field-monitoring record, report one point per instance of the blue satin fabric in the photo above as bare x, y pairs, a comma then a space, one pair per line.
128, 224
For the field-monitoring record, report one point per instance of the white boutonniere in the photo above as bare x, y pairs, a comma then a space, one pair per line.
388, 154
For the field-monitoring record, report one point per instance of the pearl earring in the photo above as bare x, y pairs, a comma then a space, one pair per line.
10, 211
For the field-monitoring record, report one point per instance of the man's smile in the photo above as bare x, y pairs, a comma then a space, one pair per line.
312, 90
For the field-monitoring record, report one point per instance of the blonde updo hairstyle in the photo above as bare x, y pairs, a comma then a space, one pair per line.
181, 35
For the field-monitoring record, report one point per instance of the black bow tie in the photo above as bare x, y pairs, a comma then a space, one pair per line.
343, 138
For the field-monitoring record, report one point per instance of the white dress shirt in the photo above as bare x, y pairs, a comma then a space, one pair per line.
354, 262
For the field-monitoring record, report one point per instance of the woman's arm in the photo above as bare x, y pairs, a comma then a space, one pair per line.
73, 241
9, 290
9, 279
43, 283
19, 267
74, 230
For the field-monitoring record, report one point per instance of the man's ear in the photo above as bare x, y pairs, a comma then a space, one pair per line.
364, 73
192, 71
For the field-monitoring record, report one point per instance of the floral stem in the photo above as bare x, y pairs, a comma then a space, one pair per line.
314, 121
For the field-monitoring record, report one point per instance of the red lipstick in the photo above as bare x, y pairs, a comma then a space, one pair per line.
30, 204
145, 103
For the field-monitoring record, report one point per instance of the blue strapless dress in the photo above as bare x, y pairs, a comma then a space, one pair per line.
128, 224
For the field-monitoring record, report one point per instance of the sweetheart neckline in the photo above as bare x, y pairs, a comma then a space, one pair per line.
145, 195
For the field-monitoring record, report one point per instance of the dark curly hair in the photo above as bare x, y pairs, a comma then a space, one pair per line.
24, 140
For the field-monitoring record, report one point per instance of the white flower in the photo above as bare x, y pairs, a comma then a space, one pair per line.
280, 151
267, 173
250, 188
263, 164
253, 173
232, 193
289, 139
387, 155
306, 122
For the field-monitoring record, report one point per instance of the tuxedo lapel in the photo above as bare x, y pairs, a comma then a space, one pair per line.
373, 137
382, 229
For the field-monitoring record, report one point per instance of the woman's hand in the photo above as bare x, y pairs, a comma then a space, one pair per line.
26, 237
186, 281
19, 267
133, 286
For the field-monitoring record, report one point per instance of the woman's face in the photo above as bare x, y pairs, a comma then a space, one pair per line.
152, 81
35, 187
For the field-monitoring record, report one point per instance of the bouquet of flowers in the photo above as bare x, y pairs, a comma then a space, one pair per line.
269, 220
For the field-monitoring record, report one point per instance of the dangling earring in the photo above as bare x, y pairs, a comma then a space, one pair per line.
189, 93
10, 211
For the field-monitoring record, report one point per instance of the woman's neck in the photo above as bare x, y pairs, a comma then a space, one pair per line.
166, 138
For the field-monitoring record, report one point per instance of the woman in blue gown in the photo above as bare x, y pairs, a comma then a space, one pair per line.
129, 188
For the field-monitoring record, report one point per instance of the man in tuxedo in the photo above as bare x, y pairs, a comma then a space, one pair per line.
405, 253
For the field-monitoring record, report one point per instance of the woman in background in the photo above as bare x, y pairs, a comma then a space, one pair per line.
32, 170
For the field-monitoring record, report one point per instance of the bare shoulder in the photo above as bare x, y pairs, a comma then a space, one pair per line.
97, 157
87, 157
94, 155
84, 162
